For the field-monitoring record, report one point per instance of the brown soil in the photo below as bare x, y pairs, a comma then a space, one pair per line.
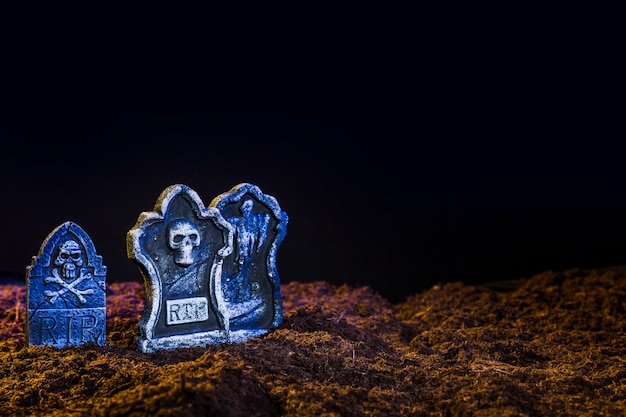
553, 346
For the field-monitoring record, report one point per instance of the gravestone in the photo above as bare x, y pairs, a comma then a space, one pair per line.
179, 248
250, 280
66, 291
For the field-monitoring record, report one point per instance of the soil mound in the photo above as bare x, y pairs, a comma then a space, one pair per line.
554, 345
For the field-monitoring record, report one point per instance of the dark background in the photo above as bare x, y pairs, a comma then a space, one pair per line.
403, 158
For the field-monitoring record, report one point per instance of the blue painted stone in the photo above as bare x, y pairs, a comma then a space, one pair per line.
179, 248
250, 280
66, 291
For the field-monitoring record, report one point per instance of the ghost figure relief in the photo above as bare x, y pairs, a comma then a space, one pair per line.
250, 280
179, 248
66, 291
250, 234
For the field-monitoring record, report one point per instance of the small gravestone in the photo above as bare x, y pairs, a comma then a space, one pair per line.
250, 281
179, 248
66, 291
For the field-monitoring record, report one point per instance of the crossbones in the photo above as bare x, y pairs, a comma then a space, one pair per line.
67, 286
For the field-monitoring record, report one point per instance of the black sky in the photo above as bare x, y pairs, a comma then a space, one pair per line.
400, 165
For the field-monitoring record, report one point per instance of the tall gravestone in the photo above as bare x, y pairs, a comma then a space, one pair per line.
66, 291
209, 272
250, 280
179, 248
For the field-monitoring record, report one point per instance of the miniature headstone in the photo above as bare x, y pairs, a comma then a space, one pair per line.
250, 280
66, 291
179, 248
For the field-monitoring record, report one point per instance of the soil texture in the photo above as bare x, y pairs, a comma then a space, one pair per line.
552, 346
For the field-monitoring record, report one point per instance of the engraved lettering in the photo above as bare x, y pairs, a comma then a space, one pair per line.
187, 310
173, 310
47, 325
88, 322
187, 316
69, 328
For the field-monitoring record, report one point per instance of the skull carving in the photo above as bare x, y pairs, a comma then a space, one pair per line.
183, 236
69, 259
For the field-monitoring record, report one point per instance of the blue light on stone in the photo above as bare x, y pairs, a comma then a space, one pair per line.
250, 280
209, 272
66, 291
179, 248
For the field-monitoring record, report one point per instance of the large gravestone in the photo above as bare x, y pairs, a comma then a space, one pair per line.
179, 248
209, 272
250, 280
66, 291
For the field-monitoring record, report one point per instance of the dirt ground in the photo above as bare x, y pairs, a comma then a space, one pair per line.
552, 346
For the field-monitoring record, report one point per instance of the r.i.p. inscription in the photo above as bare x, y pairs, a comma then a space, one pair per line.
66, 291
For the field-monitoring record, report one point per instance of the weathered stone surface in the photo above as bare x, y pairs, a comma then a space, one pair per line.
250, 280
210, 272
179, 248
66, 291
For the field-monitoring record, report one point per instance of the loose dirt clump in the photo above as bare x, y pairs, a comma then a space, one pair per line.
555, 345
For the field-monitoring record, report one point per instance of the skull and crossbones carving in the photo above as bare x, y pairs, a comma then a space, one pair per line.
69, 261
182, 237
